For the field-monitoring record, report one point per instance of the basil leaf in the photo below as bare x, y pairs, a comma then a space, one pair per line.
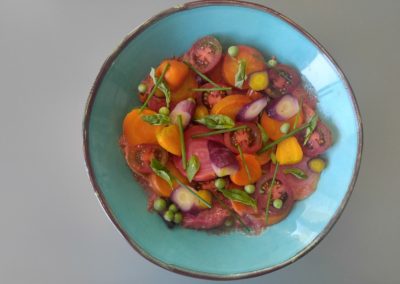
162, 87
240, 76
264, 135
192, 167
217, 121
160, 170
157, 119
312, 124
239, 196
296, 172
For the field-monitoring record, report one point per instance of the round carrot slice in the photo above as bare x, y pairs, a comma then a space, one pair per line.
185, 89
168, 138
230, 105
136, 130
242, 209
241, 177
175, 74
273, 126
254, 62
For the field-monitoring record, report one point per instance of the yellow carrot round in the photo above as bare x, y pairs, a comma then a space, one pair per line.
289, 152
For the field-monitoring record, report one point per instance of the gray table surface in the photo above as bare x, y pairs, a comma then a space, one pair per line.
53, 229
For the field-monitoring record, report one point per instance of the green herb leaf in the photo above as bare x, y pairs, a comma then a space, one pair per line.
211, 89
312, 124
264, 135
160, 170
192, 167
161, 86
217, 121
269, 192
157, 119
300, 174
239, 196
240, 76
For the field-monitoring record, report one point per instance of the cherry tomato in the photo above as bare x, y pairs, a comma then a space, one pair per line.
249, 139
139, 157
209, 99
320, 140
205, 53
279, 191
284, 79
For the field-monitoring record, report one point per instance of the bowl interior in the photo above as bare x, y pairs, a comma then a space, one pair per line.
196, 251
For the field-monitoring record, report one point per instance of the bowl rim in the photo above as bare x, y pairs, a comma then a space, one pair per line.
89, 168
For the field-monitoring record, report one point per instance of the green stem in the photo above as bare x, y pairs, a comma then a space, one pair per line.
233, 213
153, 91
211, 89
202, 75
244, 163
205, 202
219, 131
182, 140
277, 141
270, 193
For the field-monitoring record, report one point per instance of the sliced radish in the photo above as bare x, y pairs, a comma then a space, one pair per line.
184, 108
223, 161
250, 111
184, 199
283, 108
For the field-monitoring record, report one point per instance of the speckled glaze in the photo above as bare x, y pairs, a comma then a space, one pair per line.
196, 253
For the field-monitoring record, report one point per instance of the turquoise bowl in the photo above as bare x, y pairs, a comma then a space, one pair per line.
197, 253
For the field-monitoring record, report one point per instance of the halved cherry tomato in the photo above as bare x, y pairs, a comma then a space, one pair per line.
241, 177
279, 191
216, 74
230, 105
136, 130
140, 156
284, 79
273, 126
185, 90
249, 138
175, 74
205, 54
209, 99
254, 62
320, 140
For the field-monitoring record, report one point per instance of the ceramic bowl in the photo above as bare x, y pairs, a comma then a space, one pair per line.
198, 253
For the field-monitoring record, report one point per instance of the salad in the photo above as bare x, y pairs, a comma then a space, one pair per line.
224, 139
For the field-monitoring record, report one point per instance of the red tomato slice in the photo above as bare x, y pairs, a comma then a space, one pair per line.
205, 53
139, 157
320, 140
284, 79
249, 139
279, 191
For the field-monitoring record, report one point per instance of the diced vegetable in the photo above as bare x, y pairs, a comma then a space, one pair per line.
223, 161
251, 111
184, 108
289, 151
317, 165
283, 108
258, 81
168, 138
184, 200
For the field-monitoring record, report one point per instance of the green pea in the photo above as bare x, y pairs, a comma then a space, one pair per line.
277, 203
142, 88
285, 128
159, 204
250, 188
220, 183
163, 110
173, 208
233, 50
169, 216
178, 218
228, 222
272, 62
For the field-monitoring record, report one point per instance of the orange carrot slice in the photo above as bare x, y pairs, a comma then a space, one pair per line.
241, 177
230, 105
